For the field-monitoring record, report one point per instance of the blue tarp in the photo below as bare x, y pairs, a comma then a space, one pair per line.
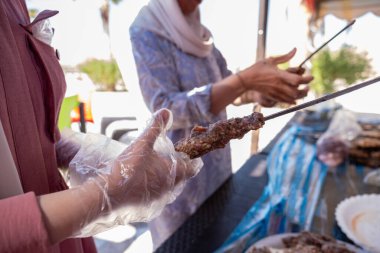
289, 200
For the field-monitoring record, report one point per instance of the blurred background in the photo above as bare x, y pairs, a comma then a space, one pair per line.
103, 95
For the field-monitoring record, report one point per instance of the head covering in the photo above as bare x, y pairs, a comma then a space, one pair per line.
165, 18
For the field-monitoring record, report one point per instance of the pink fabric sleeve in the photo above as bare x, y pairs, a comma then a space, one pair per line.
22, 227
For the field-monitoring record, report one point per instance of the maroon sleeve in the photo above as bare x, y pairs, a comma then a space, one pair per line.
22, 227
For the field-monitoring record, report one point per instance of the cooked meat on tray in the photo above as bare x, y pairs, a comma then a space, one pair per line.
205, 139
365, 148
306, 242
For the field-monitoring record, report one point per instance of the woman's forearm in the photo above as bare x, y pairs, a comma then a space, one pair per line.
66, 212
225, 92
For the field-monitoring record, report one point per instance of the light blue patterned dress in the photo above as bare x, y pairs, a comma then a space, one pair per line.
170, 78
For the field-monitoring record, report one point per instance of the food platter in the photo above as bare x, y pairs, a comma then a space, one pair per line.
275, 241
359, 219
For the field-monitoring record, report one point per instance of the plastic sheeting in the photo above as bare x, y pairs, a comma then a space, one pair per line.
302, 192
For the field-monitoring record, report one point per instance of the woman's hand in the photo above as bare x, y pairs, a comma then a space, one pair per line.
264, 100
136, 184
149, 168
275, 84
252, 96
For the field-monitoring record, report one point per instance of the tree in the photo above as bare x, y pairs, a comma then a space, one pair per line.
105, 16
342, 67
32, 12
104, 73
105, 13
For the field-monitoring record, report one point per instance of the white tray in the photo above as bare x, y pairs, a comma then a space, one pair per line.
359, 219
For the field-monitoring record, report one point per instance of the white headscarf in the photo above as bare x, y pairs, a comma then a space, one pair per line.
164, 17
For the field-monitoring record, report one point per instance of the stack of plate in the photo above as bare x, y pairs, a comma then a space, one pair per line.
359, 219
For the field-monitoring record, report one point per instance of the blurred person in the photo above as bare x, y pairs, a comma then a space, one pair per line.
180, 68
112, 184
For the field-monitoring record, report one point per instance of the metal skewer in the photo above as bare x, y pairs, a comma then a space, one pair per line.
324, 44
322, 99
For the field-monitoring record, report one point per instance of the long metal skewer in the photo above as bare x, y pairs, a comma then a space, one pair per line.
324, 44
322, 99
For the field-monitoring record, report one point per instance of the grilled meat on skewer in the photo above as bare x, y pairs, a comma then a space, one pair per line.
205, 139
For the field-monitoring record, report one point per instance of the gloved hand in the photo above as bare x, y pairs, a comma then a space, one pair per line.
68, 146
135, 182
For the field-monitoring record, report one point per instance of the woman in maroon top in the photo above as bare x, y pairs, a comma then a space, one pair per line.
32, 87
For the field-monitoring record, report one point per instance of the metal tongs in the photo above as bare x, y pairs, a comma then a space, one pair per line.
327, 42
323, 99
329, 96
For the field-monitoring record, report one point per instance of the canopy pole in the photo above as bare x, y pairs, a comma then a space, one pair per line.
260, 54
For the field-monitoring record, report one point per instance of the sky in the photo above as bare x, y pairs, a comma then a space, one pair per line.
79, 33
78, 29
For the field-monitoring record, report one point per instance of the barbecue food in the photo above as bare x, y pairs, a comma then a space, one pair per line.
205, 139
306, 242
365, 148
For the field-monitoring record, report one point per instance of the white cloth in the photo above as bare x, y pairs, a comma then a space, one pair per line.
164, 17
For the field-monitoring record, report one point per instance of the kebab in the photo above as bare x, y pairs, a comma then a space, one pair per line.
205, 139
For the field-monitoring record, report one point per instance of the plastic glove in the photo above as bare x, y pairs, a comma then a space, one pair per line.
68, 146
135, 182
373, 178
43, 31
333, 145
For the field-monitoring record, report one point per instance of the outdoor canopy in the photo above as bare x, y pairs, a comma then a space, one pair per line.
343, 9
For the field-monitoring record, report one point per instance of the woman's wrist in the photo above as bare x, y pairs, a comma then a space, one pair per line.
243, 85
225, 92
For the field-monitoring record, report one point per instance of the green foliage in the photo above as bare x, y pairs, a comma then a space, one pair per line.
104, 73
32, 13
345, 66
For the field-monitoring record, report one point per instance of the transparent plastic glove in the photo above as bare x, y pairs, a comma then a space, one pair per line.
373, 178
135, 182
333, 145
68, 146
43, 31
